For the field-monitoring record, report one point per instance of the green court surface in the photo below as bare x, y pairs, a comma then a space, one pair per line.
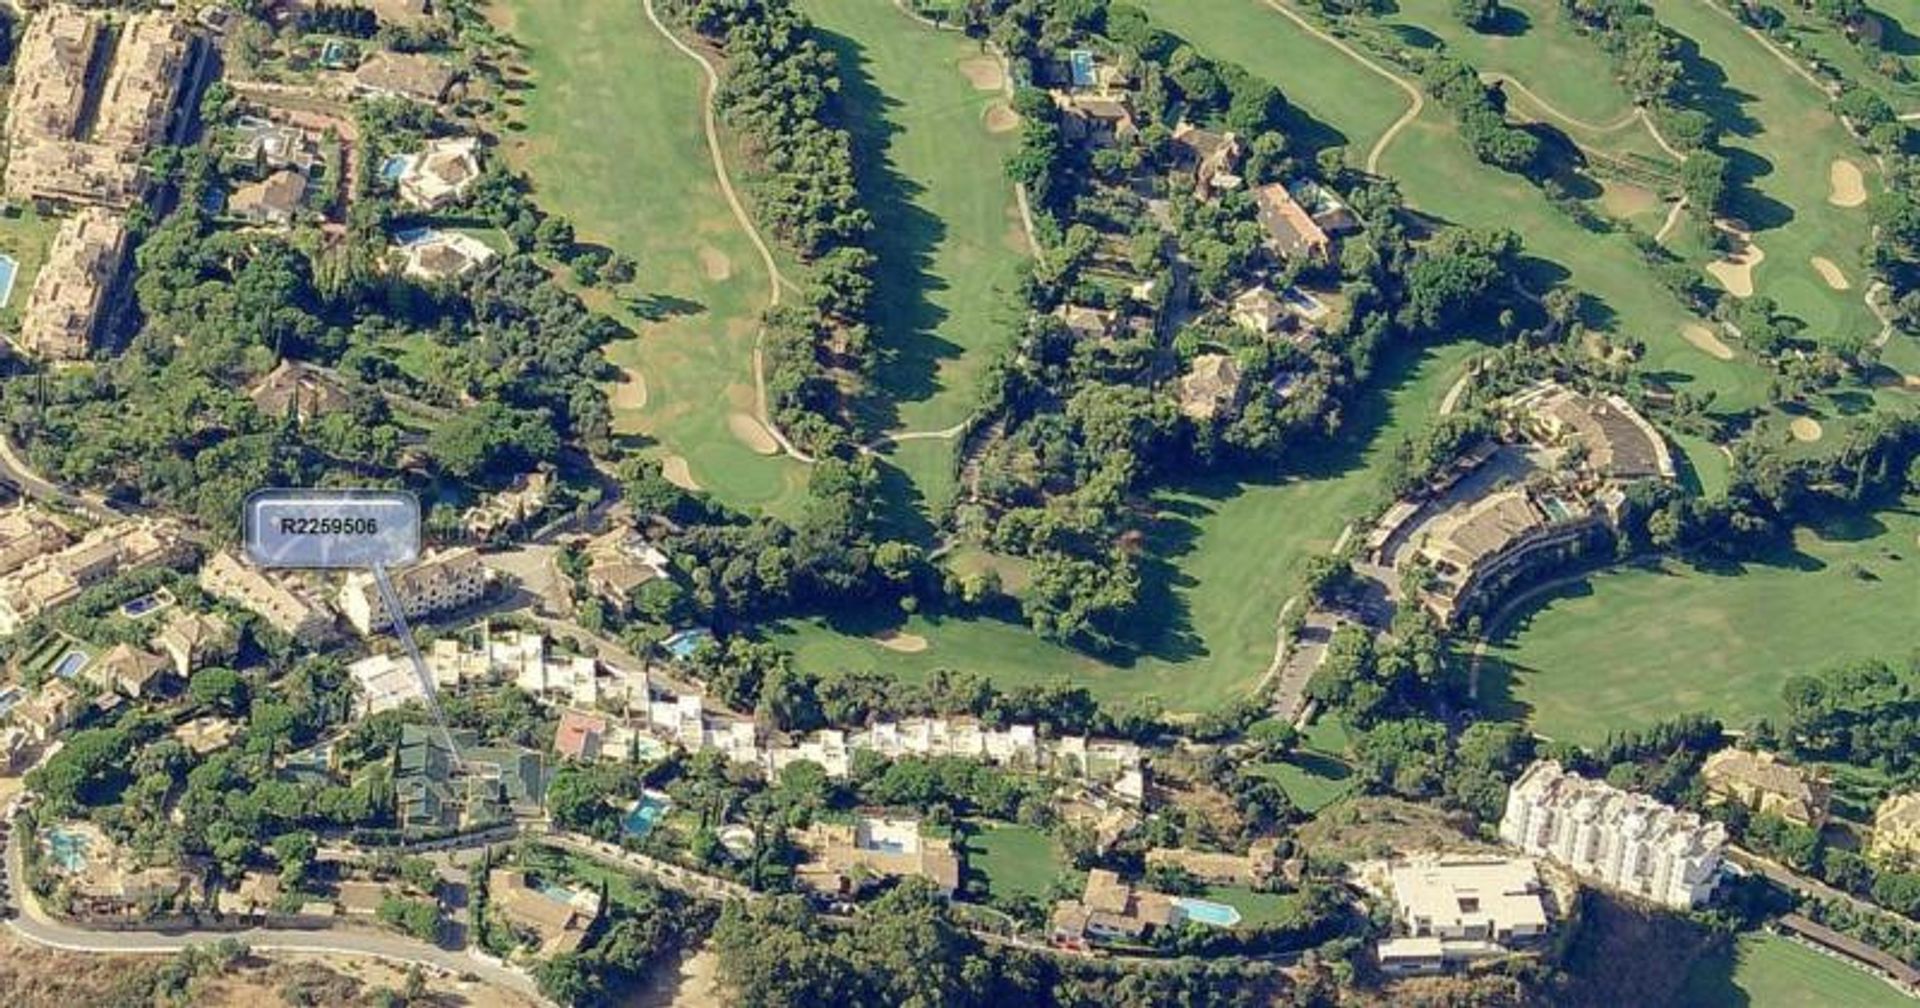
1629, 647
1770, 971
642, 183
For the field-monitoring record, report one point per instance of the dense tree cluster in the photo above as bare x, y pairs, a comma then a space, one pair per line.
1457, 85
780, 91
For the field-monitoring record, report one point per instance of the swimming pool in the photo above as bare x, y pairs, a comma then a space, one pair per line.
639, 822
1080, 64
1208, 912
9, 267
8, 697
142, 606
414, 236
71, 663
394, 166
67, 848
683, 643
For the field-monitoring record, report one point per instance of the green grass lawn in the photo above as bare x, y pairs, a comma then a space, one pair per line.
946, 227
608, 126
1440, 177
1015, 860
1225, 554
1769, 971
24, 235
1626, 648
1861, 64
1783, 139
1534, 41
1255, 907
1311, 780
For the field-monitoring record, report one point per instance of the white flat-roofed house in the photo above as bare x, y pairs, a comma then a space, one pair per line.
1474, 905
440, 173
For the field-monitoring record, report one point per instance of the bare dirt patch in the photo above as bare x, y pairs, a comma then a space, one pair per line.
752, 433
1830, 273
983, 72
674, 469
1001, 118
1849, 187
1805, 429
904, 643
630, 393
1625, 200
714, 263
1735, 271
1704, 340
694, 982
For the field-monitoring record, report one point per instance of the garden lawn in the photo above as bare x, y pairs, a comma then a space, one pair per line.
1224, 555
1256, 908
1014, 860
24, 235
607, 123
1627, 648
946, 227
1769, 971
1783, 138
1440, 177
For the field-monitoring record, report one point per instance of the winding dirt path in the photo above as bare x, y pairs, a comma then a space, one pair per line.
1637, 115
1672, 221
1419, 100
775, 279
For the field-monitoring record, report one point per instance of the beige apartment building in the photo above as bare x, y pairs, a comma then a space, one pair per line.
284, 608
61, 314
1766, 785
440, 582
50, 76
149, 69
54, 579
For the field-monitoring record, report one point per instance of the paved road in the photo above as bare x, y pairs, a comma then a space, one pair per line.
33, 924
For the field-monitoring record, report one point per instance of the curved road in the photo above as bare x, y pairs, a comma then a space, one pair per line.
1419, 100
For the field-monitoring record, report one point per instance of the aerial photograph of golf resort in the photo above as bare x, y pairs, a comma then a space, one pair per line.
960, 503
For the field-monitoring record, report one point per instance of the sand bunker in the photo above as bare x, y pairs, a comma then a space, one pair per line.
674, 470
714, 263
1830, 273
1001, 119
631, 392
1849, 187
983, 72
752, 433
1735, 272
1706, 342
904, 643
1805, 429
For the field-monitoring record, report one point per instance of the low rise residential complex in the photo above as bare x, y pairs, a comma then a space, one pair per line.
1109, 910
1474, 550
27, 532
195, 640
56, 578
556, 918
1456, 908
440, 582
1767, 786
843, 855
1619, 839
285, 607
64, 308
142, 90
437, 791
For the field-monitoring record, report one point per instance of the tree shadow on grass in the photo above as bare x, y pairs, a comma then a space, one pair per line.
1707, 89
906, 322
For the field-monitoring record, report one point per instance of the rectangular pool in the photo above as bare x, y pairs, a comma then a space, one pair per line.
1208, 912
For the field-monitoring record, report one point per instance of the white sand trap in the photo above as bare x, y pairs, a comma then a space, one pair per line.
714, 263
904, 643
983, 72
752, 433
1001, 118
1805, 429
1830, 273
1706, 342
674, 469
630, 393
1735, 272
1848, 185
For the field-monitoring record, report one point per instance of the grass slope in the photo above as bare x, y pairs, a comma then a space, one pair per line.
641, 182
1226, 554
947, 230
1627, 648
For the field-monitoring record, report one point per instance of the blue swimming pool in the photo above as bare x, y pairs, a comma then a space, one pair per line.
682, 644
414, 236
1208, 912
1081, 63
393, 167
8, 269
69, 849
142, 606
640, 820
8, 698
71, 663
